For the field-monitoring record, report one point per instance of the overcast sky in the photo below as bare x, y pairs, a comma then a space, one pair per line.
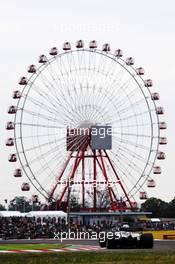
143, 29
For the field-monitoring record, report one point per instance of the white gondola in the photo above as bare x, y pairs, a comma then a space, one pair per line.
134, 205
35, 198
17, 173
140, 71
118, 53
32, 68
162, 125
23, 81
161, 155
16, 94
12, 109
130, 61
66, 46
42, 59
151, 183
53, 51
143, 196
106, 47
148, 83
163, 141
9, 142
93, 44
12, 158
10, 125
79, 44
157, 170
159, 110
155, 96
25, 187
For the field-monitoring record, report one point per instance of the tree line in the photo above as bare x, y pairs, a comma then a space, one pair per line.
158, 207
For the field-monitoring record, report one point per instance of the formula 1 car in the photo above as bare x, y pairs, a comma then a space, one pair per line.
126, 239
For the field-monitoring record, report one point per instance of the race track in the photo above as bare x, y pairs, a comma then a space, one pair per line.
159, 245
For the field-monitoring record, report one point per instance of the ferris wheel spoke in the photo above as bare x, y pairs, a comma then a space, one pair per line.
37, 136
125, 172
44, 144
127, 160
39, 125
43, 116
44, 106
53, 90
70, 79
133, 154
128, 142
58, 83
130, 106
45, 154
46, 96
101, 102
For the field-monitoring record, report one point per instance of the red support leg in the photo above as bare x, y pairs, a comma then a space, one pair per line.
106, 178
125, 193
83, 182
76, 164
95, 181
60, 176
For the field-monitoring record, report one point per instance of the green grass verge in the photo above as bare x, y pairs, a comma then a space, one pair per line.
110, 257
29, 246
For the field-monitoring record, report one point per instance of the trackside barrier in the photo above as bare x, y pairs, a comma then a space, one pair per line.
162, 234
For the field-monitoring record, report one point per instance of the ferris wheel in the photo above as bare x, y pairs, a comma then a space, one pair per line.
85, 89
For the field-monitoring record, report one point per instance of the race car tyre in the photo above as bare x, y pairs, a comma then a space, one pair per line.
110, 244
102, 244
146, 241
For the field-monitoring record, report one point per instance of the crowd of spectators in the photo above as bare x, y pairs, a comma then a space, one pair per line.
32, 228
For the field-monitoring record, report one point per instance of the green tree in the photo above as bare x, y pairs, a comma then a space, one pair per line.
2, 207
22, 204
171, 209
158, 207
